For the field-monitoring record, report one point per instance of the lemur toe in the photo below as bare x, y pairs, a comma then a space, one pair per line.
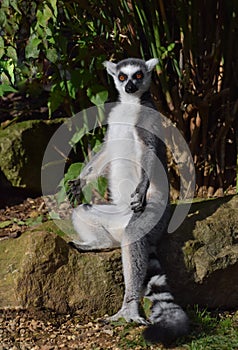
128, 318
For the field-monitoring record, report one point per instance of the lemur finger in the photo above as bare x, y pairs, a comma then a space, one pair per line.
137, 206
71, 195
135, 193
73, 192
71, 198
74, 184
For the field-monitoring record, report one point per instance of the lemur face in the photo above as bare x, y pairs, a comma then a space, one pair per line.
131, 76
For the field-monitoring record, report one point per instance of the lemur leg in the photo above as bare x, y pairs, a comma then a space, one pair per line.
134, 275
135, 262
135, 256
99, 226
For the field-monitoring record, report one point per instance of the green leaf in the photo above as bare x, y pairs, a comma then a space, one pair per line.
78, 136
97, 145
54, 215
4, 88
100, 98
19, 222
53, 6
5, 3
72, 89
14, 4
6, 223
52, 55
3, 19
101, 185
8, 68
73, 171
171, 47
32, 50
97, 96
61, 195
56, 97
147, 306
11, 53
44, 16
87, 193
34, 221
2, 50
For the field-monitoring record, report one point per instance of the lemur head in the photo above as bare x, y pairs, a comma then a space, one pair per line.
132, 76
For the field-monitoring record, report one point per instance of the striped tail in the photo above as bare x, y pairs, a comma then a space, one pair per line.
168, 320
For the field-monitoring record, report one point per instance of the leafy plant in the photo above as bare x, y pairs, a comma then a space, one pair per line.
54, 50
47, 47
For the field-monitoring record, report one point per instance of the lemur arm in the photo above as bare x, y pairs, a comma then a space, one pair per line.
139, 195
153, 154
90, 172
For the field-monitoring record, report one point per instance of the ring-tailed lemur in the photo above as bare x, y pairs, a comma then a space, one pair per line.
138, 213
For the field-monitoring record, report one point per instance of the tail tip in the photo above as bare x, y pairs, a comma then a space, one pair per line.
165, 335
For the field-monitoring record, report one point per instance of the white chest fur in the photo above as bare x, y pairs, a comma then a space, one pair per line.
125, 149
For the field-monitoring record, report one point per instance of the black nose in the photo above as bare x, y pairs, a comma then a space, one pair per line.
130, 87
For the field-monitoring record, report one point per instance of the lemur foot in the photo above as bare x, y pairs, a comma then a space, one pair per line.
128, 317
83, 247
92, 247
76, 246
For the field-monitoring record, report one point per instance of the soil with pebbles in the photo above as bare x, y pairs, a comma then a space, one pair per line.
16, 219
44, 330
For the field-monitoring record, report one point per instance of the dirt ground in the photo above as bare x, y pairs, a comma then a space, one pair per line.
14, 220
44, 330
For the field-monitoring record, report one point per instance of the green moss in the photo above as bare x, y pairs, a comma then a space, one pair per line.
22, 147
62, 228
10, 261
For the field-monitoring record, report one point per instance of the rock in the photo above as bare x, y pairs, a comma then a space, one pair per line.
39, 269
22, 147
201, 257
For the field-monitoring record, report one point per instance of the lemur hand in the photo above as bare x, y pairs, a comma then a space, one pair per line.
75, 190
139, 200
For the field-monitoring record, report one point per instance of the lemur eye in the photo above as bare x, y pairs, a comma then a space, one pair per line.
122, 77
139, 75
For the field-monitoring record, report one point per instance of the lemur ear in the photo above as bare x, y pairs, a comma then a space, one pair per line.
111, 67
150, 64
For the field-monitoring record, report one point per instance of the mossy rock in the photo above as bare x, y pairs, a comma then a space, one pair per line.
40, 270
22, 147
201, 257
